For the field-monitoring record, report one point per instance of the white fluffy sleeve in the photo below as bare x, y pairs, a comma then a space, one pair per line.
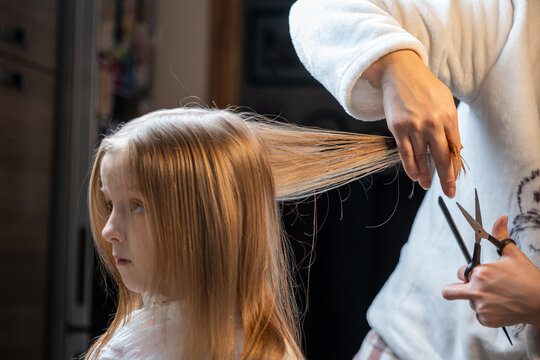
336, 40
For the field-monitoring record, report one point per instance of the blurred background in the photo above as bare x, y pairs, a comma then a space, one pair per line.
72, 70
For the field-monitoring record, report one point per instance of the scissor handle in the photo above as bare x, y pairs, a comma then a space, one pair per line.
502, 243
474, 261
454, 229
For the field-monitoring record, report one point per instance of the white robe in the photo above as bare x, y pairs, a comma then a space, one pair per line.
153, 332
156, 332
488, 53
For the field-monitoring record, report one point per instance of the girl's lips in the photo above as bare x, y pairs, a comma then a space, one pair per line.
121, 261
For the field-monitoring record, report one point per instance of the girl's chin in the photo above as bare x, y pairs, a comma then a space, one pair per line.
133, 286
136, 289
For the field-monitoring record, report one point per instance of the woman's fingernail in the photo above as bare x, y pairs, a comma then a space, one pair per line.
425, 184
451, 191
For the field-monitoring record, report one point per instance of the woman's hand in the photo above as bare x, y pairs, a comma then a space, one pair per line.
421, 114
504, 292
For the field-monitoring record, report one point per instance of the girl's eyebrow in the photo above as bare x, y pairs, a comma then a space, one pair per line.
135, 195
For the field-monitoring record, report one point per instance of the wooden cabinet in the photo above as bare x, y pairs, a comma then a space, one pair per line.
27, 103
28, 31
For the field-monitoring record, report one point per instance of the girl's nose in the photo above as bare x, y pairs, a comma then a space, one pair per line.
112, 230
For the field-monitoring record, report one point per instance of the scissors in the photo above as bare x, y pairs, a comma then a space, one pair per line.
479, 234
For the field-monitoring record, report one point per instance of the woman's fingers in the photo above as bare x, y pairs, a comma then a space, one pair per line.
406, 154
420, 113
443, 162
457, 291
414, 138
421, 158
461, 273
451, 130
503, 292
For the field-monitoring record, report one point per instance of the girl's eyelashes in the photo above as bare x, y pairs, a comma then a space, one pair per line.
136, 207
110, 206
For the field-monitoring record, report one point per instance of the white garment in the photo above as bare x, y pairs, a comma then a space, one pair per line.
488, 53
143, 336
155, 332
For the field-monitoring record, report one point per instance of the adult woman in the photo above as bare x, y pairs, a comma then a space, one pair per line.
403, 60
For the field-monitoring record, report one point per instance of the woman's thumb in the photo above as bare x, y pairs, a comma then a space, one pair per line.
500, 228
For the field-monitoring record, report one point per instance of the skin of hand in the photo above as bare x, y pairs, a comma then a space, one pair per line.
420, 113
502, 293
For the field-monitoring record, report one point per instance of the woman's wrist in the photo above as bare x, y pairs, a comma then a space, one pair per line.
383, 67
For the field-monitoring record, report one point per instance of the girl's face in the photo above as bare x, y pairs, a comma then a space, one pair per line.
126, 228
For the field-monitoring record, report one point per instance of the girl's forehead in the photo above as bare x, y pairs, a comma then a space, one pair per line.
114, 160
114, 168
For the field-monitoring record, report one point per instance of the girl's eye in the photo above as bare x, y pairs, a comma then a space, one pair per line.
110, 206
137, 207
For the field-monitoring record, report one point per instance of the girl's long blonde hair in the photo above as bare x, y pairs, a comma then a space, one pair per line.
212, 179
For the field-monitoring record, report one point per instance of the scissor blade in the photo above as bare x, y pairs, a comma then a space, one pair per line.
507, 336
478, 229
478, 214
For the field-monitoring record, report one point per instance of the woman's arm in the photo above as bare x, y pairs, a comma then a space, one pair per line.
355, 48
458, 40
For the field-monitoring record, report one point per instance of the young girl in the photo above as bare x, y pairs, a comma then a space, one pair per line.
185, 220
